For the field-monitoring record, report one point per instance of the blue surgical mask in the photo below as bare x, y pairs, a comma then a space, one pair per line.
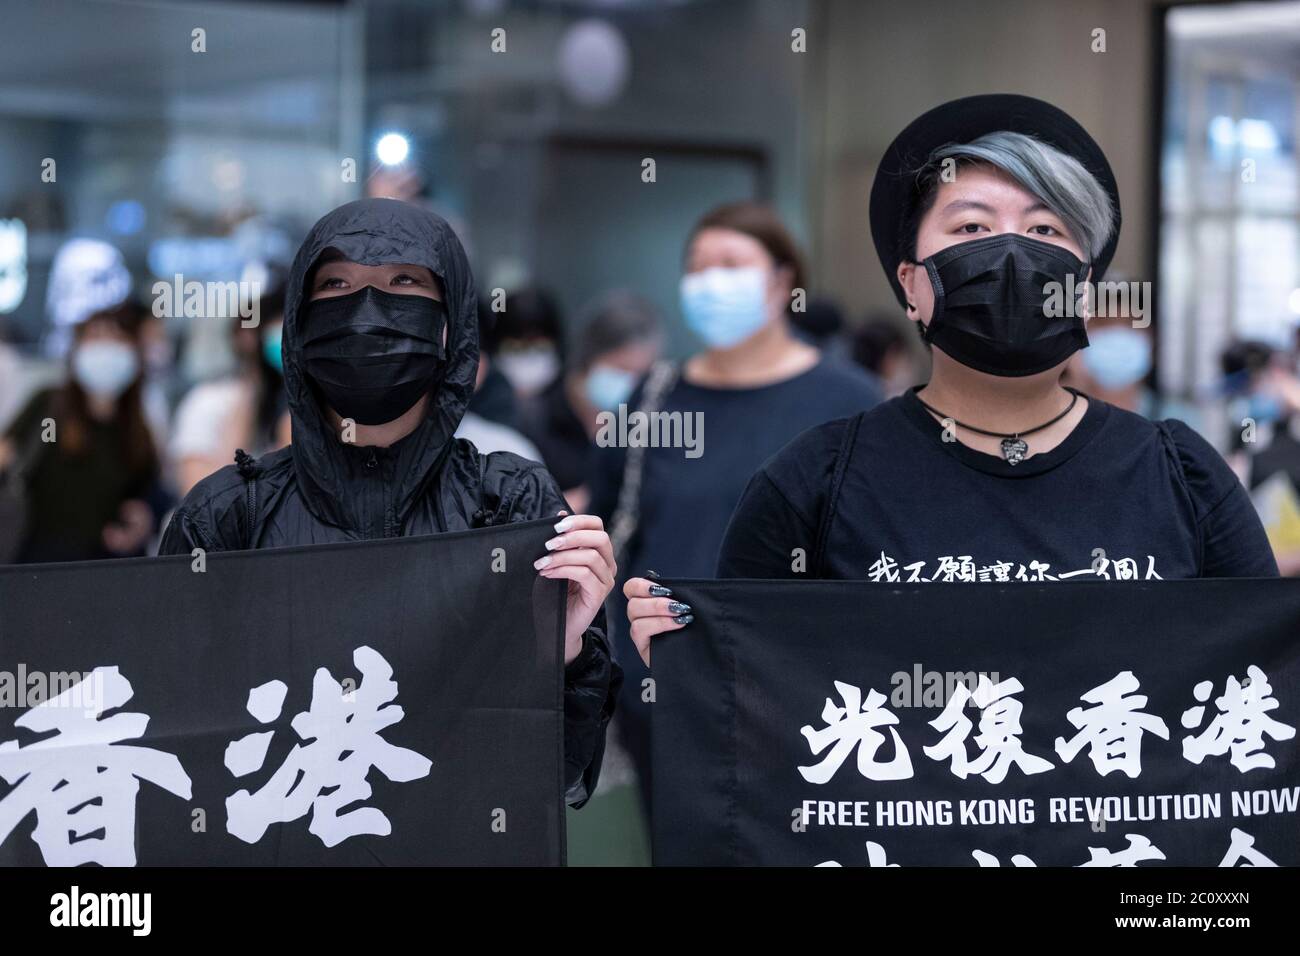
725, 306
1263, 408
608, 387
1117, 357
273, 348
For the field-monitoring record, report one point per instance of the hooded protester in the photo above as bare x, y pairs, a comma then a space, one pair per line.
380, 345
989, 214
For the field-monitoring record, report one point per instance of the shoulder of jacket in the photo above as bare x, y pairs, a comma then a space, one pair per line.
216, 493
506, 469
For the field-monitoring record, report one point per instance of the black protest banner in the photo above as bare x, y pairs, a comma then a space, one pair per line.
1081, 724
384, 702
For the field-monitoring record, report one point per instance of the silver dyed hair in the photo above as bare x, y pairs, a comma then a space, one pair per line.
1059, 180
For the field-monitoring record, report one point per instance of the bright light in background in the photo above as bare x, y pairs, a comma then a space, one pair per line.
1253, 134
392, 149
594, 62
1258, 134
1293, 300
125, 217
13, 263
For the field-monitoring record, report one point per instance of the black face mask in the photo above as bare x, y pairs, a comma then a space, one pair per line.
990, 304
373, 354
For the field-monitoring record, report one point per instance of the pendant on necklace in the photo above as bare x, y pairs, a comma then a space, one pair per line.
1013, 450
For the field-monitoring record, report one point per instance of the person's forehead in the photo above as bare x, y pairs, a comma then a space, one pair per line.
338, 261
984, 188
717, 238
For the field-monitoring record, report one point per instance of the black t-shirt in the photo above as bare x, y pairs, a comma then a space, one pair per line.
1120, 498
687, 499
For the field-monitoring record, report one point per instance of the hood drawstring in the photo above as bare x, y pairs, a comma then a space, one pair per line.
248, 469
245, 464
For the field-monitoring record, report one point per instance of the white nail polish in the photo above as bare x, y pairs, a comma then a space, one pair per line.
541, 563
564, 525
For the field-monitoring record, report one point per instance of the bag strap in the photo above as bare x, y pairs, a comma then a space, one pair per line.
627, 513
833, 498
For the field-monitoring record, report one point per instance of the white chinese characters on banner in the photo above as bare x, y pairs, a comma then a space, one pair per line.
1111, 730
1240, 725
999, 736
83, 778
854, 725
1138, 850
329, 773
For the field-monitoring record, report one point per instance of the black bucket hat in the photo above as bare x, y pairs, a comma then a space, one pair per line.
894, 192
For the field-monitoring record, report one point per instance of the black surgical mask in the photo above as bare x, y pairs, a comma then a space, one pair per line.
373, 354
990, 298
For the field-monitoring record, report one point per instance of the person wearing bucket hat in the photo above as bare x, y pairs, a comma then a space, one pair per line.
991, 215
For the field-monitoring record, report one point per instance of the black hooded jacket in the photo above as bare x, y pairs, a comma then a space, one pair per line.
321, 490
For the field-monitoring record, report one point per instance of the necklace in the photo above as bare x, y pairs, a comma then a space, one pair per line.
1014, 447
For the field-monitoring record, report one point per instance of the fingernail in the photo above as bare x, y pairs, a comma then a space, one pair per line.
684, 618
564, 525
658, 590
541, 563
677, 607
553, 544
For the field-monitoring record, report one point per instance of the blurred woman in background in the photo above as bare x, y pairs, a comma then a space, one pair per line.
528, 341
246, 409
752, 388
83, 454
619, 341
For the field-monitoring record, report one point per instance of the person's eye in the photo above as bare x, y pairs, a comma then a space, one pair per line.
331, 282
1044, 230
970, 228
404, 278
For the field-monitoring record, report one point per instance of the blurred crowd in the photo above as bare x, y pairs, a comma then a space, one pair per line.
105, 428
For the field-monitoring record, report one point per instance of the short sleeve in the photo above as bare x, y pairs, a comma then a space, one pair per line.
776, 521
1234, 544
202, 419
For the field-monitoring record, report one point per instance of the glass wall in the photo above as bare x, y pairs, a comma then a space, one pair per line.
1230, 212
